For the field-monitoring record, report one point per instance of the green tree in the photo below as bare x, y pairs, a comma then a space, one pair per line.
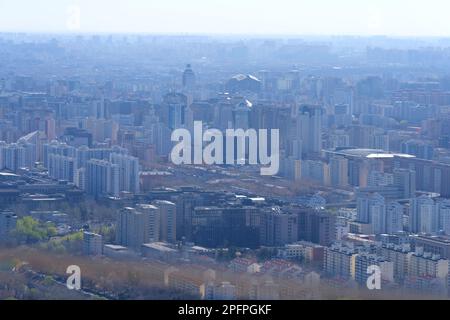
108, 233
29, 230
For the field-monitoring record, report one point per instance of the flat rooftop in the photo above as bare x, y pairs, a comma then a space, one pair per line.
159, 246
369, 153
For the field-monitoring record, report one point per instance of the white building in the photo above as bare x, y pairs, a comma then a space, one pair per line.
61, 167
128, 172
424, 215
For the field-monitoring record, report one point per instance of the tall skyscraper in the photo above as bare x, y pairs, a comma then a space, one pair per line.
309, 128
188, 78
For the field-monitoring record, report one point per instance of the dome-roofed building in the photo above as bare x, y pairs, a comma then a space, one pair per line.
242, 83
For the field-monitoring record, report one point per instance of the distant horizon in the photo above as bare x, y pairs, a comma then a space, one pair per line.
197, 34
400, 18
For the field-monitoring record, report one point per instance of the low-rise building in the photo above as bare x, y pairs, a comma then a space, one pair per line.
306, 251
159, 251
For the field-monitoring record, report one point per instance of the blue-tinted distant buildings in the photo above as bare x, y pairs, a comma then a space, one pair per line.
419, 148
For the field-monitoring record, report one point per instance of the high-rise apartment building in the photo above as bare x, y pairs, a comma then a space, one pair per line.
405, 180
316, 226
400, 255
278, 228
377, 213
128, 167
61, 167
309, 128
174, 110
168, 220
102, 178
132, 228
19, 155
92, 244
58, 148
154, 220
338, 171
394, 217
423, 216
427, 264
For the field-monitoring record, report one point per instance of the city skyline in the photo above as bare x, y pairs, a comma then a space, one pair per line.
141, 162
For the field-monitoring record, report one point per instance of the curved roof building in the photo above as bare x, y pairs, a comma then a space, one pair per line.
242, 83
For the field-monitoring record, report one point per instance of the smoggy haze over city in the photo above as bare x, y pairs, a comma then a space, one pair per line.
224, 150
345, 17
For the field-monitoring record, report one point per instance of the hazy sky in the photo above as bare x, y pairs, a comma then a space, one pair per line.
302, 17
